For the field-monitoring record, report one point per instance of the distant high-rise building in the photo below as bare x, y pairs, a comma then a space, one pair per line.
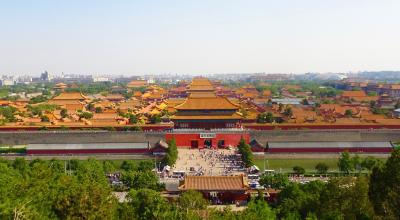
45, 76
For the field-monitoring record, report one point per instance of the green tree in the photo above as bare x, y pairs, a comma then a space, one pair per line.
155, 119
42, 190
109, 166
85, 115
129, 165
397, 105
384, 189
84, 199
276, 181
148, 204
288, 112
299, 170
266, 117
132, 119
345, 164
258, 209
348, 113
245, 152
21, 166
44, 118
322, 168
346, 198
8, 112
64, 113
298, 200
192, 200
269, 117
98, 110
372, 104
90, 106
38, 99
145, 165
46, 92
356, 163
141, 180
171, 154
370, 162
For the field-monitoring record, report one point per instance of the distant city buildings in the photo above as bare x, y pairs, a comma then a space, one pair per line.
7, 81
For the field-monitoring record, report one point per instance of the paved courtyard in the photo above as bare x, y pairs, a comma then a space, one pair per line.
214, 162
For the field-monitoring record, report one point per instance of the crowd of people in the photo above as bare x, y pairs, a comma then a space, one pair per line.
210, 162
303, 179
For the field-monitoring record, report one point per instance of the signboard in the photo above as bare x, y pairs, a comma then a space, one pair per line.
207, 135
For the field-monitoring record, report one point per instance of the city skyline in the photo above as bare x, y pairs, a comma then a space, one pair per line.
136, 38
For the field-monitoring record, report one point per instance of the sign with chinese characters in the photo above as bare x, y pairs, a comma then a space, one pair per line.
207, 135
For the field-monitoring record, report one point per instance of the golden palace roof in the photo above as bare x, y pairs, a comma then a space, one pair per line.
200, 84
137, 94
207, 103
137, 83
202, 94
200, 81
69, 96
354, 94
207, 117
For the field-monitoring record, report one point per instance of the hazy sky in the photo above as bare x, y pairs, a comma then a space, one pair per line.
203, 36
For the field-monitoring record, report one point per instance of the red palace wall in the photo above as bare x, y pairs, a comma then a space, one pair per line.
318, 126
330, 150
55, 127
185, 140
161, 127
89, 151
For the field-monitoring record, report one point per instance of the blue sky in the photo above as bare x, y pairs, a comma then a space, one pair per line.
207, 36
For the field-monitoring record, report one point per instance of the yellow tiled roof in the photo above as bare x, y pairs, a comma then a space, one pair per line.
202, 94
137, 83
352, 94
207, 103
206, 117
69, 96
154, 112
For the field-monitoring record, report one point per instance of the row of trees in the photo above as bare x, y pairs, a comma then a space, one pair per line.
80, 190
348, 163
68, 189
320, 90
340, 198
374, 196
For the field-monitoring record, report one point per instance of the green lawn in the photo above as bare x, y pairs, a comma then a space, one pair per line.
286, 165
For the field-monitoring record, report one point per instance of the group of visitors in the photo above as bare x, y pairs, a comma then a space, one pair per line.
217, 162
304, 179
